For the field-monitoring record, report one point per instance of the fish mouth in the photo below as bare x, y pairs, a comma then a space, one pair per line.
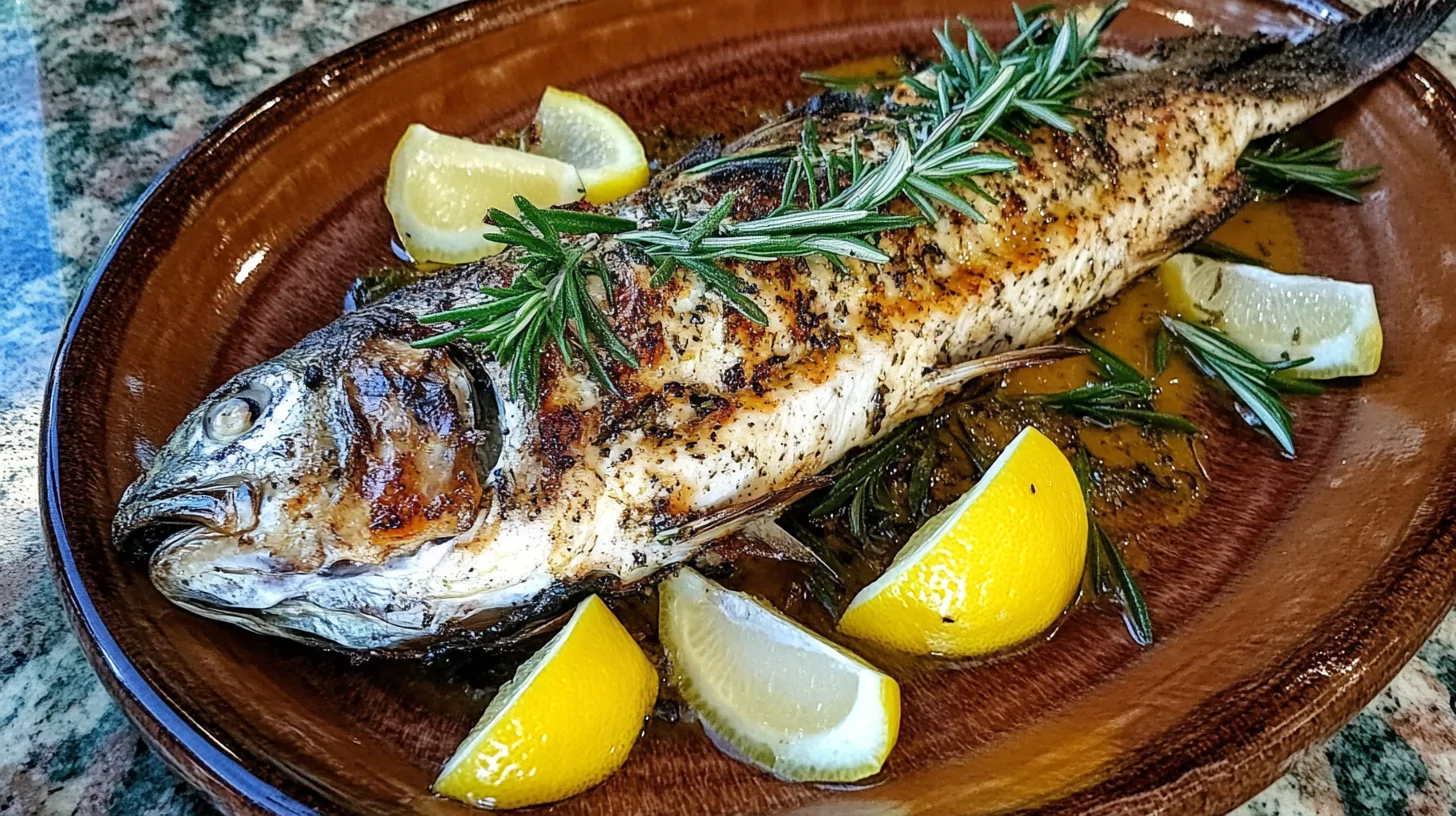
143, 522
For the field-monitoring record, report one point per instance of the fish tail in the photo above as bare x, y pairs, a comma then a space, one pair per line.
1320, 71
1370, 45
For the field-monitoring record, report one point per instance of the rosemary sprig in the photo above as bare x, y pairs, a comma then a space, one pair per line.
974, 93
924, 168
1276, 169
1123, 395
1031, 81
548, 301
862, 478
831, 232
1107, 570
1256, 384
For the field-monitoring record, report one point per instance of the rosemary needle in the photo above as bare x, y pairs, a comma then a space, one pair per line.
1122, 395
1276, 169
1108, 570
1257, 385
1223, 252
848, 82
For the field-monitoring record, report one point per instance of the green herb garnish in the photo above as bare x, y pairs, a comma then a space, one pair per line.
863, 476
1256, 384
1278, 168
1031, 81
1160, 352
974, 93
1224, 252
771, 155
547, 302
1107, 570
831, 232
1123, 395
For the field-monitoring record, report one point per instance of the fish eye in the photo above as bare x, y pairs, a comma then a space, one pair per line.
237, 414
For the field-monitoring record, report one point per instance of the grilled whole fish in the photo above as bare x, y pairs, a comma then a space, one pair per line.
360, 493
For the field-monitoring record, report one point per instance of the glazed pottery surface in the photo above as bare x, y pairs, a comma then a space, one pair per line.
1295, 593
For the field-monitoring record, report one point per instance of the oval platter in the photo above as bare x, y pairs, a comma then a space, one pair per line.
1285, 604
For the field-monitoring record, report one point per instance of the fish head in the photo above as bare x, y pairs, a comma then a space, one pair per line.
263, 427
314, 487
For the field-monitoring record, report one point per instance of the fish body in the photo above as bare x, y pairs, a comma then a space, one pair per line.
360, 493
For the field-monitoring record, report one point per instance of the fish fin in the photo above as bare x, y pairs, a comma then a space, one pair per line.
767, 532
1225, 200
1301, 79
755, 518
1323, 69
705, 151
951, 376
1369, 45
739, 517
761, 538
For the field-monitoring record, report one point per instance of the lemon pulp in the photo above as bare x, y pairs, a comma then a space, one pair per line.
774, 693
588, 135
440, 189
565, 722
1277, 316
998, 566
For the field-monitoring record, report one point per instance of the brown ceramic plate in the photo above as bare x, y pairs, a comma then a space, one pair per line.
1295, 594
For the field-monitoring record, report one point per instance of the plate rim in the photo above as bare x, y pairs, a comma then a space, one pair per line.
1249, 761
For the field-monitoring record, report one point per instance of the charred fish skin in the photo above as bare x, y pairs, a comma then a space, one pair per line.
354, 511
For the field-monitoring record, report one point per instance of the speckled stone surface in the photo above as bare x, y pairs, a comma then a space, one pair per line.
96, 96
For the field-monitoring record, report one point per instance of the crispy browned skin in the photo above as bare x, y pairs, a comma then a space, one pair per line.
413, 469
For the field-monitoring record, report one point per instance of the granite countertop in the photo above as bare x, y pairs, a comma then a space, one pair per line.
98, 96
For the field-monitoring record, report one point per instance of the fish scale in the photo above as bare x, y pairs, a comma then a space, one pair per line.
396, 534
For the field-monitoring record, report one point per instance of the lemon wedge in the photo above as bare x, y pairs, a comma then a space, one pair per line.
565, 721
771, 691
1278, 316
441, 187
588, 135
994, 568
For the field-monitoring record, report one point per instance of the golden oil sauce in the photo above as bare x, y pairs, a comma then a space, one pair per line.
886, 67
